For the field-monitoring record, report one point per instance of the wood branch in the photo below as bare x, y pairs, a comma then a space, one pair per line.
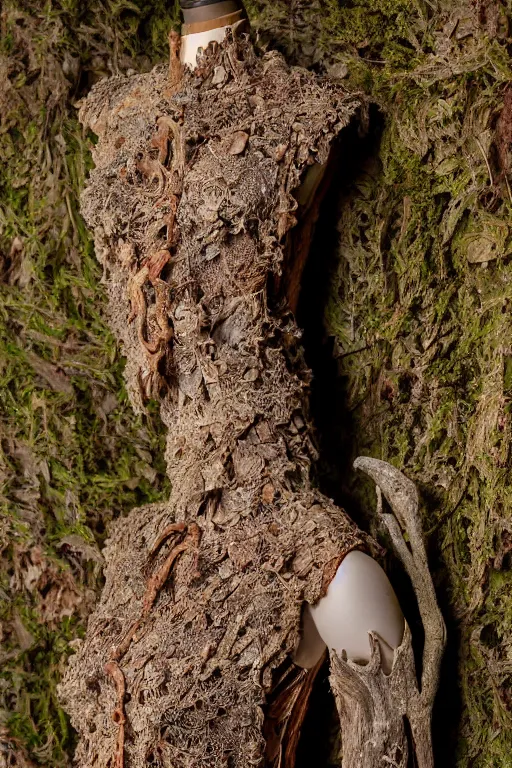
372, 720
402, 496
373, 707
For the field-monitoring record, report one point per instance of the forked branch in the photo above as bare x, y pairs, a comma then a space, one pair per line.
374, 707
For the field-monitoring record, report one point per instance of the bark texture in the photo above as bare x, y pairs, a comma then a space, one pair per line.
190, 202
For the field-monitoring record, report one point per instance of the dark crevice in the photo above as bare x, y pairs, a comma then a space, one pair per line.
410, 743
328, 401
319, 743
320, 739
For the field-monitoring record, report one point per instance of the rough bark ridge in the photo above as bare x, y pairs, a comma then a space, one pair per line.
190, 203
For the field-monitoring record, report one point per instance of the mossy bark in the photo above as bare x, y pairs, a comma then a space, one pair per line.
418, 310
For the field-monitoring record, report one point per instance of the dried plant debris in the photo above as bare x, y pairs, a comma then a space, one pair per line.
190, 202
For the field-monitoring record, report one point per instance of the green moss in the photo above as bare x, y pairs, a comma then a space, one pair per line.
434, 329
423, 331
73, 455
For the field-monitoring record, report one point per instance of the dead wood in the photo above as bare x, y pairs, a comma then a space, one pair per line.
191, 201
374, 708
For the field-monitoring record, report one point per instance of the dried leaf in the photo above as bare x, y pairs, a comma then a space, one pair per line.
239, 142
77, 544
20, 271
60, 596
481, 250
24, 637
219, 75
52, 374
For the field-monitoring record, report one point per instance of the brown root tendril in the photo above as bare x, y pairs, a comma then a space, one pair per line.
154, 585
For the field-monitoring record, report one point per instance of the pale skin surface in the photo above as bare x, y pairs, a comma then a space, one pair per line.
359, 599
192, 44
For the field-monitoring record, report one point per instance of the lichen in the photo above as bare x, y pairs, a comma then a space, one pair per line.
190, 203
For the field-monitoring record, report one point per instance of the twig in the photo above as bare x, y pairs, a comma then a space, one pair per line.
159, 578
175, 68
118, 653
168, 531
402, 496
373, 706
486, 161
